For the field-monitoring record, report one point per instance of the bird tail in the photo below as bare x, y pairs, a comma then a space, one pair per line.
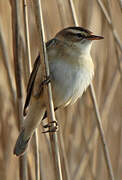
21, 144
35, 114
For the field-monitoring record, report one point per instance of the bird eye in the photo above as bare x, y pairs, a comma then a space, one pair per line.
79, 35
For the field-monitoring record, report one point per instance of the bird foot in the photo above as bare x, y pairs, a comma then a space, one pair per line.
43, 83
46, 81
52, 127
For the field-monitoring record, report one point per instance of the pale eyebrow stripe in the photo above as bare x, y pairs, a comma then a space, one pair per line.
71, 32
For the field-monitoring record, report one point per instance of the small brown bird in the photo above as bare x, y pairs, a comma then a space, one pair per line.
71, 72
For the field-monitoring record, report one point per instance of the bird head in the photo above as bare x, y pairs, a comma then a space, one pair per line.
78, 37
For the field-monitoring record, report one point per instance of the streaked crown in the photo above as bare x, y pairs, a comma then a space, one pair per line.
76, 34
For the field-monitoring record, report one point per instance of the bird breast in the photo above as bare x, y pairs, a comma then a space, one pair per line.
70, 80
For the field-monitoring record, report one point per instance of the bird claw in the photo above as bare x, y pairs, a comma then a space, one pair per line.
46, 81
53, 127
43, 83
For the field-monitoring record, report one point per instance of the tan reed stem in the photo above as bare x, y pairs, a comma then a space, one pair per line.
48, 92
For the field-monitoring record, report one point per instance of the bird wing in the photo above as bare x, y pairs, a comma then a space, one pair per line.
31, 83
33, 74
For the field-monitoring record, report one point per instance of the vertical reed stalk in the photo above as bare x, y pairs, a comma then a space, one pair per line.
7, 68
99, 124
115, 34
37, 166
18, 76
48, 92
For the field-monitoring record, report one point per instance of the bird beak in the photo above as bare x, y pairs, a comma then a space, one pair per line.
93, 37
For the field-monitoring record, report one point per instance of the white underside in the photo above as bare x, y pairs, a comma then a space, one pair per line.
69, 82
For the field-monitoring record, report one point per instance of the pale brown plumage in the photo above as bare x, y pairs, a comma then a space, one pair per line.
71, 71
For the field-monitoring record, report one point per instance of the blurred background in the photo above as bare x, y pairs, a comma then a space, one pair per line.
78, 133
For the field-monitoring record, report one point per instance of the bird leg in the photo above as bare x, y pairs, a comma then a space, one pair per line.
52, 127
